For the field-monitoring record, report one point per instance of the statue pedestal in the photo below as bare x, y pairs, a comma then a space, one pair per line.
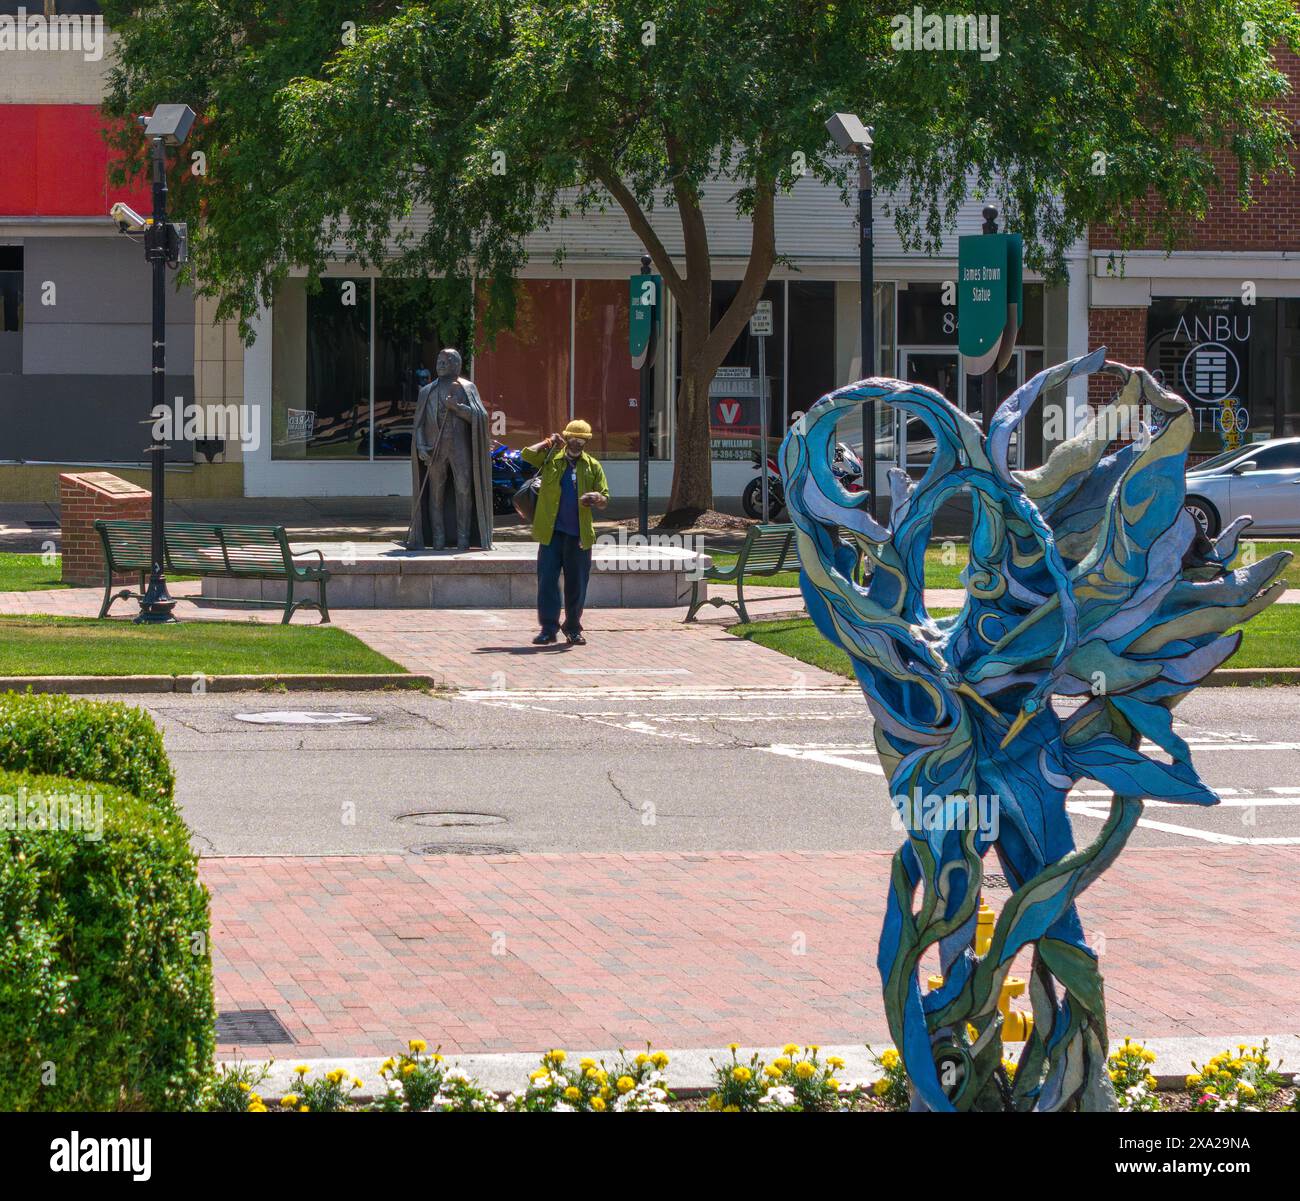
384, 575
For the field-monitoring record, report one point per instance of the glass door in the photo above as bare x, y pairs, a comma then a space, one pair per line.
936, 368
1011, 377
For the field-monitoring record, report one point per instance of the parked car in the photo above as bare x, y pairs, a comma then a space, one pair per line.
1260, 479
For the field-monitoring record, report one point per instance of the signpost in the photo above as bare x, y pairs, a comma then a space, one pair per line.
760, 327
989, 304
642, 336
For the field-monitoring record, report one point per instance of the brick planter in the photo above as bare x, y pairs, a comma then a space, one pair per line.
86, 497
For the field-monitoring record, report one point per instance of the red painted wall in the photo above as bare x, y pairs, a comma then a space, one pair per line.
54, 163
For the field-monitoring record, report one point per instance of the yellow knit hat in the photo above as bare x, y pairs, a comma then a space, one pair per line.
577, 429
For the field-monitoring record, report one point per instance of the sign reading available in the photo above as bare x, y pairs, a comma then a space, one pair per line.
989, 299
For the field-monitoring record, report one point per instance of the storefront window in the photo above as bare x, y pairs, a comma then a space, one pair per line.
606, 388
323, 347
1235, 364
11, 310
414, 319
320, 398
812, 342
735, 395
523, 376
1288, 369
923, 317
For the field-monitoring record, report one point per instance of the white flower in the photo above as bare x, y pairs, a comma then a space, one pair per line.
781, 1097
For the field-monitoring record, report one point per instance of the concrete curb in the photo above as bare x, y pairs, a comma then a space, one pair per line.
201, 683
1223, 677
690, 1071
1233, 676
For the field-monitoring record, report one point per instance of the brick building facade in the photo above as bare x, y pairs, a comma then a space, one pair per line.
1219, 318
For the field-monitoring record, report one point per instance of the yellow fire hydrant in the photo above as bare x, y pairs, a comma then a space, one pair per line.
1016, 1025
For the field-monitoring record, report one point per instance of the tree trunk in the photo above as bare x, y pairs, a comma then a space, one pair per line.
704, 348
692, 490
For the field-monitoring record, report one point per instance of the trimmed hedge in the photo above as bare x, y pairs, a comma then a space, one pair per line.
105, 969
104, 741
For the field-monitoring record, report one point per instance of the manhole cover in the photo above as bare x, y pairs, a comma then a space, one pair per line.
993, 881
293, 717
452, 819
461, 848
258, 1026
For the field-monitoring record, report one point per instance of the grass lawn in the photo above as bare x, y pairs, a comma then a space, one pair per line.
75, 646
1272, 640
26, 573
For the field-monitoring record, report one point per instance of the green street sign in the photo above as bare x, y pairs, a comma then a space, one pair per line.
643, 311
989, 296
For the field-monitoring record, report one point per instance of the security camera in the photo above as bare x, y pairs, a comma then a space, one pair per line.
128, 220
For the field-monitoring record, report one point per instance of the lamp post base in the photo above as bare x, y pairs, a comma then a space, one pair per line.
157, 603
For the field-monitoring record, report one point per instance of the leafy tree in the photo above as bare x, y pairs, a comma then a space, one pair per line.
336, 124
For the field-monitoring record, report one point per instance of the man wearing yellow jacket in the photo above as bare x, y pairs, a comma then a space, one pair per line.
573, 484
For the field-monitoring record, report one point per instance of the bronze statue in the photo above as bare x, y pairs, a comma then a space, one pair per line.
450, 439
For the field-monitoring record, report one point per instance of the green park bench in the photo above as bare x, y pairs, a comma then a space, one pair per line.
196, 548
767, 550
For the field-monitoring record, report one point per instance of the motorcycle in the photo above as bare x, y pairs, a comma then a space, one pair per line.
509, 473
845, 465
847, 468
751, 500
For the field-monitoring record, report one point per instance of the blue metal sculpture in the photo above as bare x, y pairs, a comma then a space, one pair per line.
1082, 585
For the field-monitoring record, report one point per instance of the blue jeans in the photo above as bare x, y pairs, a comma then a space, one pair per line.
563, 553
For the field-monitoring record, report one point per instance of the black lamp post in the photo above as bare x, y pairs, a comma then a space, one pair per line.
643, 416
164, 246
850, 135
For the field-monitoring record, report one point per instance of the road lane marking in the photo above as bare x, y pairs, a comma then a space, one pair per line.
1083, 809
816, 754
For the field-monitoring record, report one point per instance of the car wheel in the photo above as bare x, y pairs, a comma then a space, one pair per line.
1205, 514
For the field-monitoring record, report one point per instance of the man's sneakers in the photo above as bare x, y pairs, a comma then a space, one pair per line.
550, 640
544, 640
575, 640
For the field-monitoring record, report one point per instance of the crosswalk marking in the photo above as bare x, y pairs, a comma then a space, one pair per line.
841, 759
1212, 836
860, 756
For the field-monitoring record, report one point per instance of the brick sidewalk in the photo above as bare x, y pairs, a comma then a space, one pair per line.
490, 648
357, 954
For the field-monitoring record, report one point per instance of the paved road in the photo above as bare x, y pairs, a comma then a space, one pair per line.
637, 771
